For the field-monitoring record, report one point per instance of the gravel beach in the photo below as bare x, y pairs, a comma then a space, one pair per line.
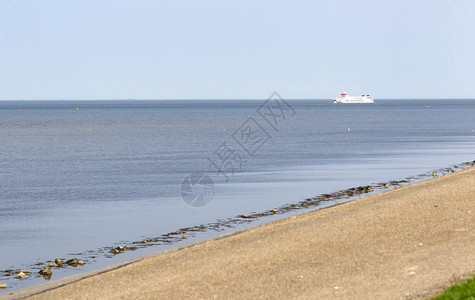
410, 242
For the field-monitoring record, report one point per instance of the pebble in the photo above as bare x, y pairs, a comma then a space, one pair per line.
184, 236
21, 275
46, 271
72, 262
81, 263
58, 261
3, 286
411, 270
117, 250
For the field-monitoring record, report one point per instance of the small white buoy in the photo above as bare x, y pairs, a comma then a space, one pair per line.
77, 108
90, 130
224, 129
428, 106
349, 129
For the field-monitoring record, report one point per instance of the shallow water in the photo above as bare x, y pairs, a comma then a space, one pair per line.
84, 175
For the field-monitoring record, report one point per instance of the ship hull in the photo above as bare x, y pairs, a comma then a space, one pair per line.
353, 101
348, 99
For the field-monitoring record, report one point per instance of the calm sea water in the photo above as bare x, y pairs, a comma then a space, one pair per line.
81, 175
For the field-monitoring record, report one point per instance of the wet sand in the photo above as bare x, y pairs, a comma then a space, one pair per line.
406, 243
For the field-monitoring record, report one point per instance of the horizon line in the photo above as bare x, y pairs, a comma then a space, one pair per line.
221, 99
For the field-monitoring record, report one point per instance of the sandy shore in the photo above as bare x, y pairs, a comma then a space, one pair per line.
405, 243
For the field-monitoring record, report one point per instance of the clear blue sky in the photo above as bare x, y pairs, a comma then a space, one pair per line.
236, 49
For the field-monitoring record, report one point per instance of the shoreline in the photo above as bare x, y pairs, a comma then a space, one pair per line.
170, 239
280, 228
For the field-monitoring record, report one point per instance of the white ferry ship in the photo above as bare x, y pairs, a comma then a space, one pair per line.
344, 98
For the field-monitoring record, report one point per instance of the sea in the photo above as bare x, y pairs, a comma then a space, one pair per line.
80, 178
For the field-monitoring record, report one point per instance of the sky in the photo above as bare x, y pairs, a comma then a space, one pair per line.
242, 49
